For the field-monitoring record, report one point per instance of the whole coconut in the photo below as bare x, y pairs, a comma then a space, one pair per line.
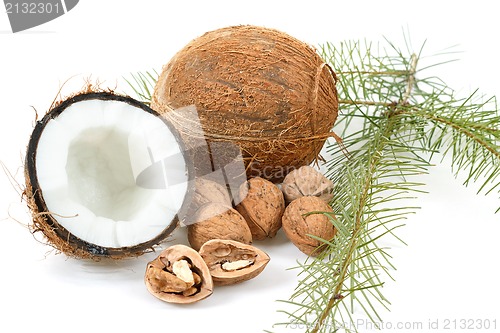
258, 88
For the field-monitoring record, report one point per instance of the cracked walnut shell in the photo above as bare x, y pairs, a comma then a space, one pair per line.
262, 206
179, 275
232, 262
298, 224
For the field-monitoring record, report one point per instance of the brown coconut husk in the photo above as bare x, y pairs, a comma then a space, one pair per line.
266, 92
62, 241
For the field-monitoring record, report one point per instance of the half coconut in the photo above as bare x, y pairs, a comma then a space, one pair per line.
105, 176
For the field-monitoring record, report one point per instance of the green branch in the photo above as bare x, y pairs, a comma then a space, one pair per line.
353, 244
402, 120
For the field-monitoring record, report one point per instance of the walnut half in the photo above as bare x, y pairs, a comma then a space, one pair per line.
232, 262
179, 275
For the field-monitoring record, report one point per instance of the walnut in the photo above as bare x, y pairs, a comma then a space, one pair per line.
262, 207
298, 226
204, 191
218, 221
210, 191
232, 262
307, 181
179, 275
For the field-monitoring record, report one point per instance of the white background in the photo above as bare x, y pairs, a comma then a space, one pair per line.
449, 270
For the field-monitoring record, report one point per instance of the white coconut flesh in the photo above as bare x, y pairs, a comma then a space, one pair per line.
89, 163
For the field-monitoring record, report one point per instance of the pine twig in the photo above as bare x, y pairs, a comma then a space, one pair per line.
363, 201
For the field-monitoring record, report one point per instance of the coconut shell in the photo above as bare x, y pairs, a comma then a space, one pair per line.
45, 221
260, 89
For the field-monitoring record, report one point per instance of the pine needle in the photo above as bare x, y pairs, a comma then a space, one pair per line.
142, 84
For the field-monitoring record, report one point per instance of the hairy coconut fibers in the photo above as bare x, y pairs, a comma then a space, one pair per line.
260, 89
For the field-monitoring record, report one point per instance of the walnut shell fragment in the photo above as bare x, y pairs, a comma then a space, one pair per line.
307, 181
262, 206
297, 225
218, 221
232, 262
179, 275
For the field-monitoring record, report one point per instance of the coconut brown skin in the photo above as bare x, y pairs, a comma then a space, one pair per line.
263, 90
55, 234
